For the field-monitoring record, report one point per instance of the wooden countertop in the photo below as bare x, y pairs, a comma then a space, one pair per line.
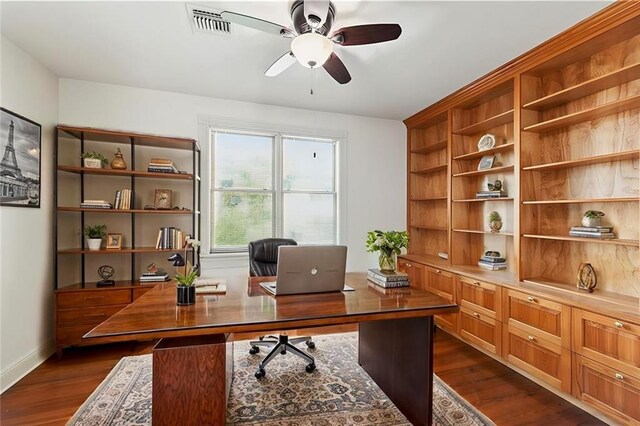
248, 308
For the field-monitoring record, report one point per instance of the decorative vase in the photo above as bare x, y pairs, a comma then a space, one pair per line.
118, 163
93, 163
185, 295
94, 243
495, 225
387, 261
591, 221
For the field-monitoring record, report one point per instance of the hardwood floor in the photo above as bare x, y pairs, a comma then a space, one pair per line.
52, 393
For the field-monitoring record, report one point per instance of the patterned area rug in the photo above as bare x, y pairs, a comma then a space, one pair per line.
338, 392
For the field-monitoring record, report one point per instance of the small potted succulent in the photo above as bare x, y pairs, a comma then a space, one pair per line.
93, 160
592, 218
495, 221
186, 290
389, 244
94, 235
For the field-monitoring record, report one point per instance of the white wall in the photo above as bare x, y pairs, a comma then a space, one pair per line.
26, 237
376, 152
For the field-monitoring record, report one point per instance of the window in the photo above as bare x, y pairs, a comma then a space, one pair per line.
267, 185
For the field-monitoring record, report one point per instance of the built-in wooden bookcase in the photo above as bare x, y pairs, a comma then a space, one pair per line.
580, 150
428, 187
491, 112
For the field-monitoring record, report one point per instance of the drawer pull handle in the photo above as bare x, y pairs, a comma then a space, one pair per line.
618, 324
477, 315
531, 299
531, 338
94, 315
476, 282
619, 376
94, 298
408, 265
438, 271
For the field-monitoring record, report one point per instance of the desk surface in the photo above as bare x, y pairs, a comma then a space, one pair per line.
249, 308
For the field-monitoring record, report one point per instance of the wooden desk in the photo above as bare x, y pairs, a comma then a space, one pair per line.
395, 345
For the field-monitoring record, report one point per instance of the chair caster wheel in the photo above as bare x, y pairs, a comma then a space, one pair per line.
311, 345
310, 368
283, 352
254, 350
260, 373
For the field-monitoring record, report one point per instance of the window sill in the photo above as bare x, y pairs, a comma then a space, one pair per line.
224, 260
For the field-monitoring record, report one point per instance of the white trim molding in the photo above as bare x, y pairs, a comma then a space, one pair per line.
24, 366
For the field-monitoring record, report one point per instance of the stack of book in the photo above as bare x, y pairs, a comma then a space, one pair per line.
388, 279
123, 199
95, 204
600, 232
491, 194
170, 238
492, 263
157, 276
161, 165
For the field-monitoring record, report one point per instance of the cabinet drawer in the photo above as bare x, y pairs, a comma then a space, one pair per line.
480, 296
610, 341
415, 271
540, 358
537, 316
90, 315
483, 330
608, 390
72, 335
81, 299
448, 322
439, 282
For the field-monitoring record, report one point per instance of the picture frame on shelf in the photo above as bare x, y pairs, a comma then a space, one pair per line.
486, 162
20, 141
486, 142
162, 199
114, 241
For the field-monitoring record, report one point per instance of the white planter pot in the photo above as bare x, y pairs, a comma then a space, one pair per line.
591, 221
94, 243
92, 163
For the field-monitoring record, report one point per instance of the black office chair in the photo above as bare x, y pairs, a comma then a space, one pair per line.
263, 262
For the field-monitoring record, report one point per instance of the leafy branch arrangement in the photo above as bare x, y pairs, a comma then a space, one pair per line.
95, 156
96, 231
188, 279
387, 242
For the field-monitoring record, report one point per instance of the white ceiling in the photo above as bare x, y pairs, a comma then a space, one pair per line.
443, 46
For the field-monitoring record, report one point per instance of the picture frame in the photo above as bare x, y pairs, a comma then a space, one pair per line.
114, 241
486, 142
162, 199
486, 162
20, 169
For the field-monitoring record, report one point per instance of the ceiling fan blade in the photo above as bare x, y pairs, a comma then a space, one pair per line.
336, 69
283, 62
316, 11
257, 23
366, 34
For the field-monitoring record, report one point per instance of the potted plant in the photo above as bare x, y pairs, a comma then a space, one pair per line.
186, 290
93, 160
592, 218
389, 244
495, 221
94, 235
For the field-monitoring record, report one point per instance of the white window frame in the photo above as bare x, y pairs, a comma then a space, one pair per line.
208, 124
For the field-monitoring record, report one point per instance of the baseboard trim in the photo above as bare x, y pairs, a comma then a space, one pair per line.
21, 368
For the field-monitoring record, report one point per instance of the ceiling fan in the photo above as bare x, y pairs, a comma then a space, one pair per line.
311, 45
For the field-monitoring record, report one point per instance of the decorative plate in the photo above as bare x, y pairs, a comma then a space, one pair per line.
486, 142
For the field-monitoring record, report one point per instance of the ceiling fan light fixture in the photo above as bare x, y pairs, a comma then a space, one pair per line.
312, 49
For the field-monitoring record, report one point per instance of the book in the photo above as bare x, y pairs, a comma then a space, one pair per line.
162, 170
600, 235
491, 267
212, 289
96, 206
163, 161
592, 228
490, 194
388, 284
147, 279
493, 259
388, 276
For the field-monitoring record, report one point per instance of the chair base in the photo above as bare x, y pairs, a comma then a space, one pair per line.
282, 345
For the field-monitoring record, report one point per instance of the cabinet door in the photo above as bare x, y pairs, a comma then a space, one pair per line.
608, 390
439, 282
480, 296
483, 330
415, 271
610, 341
538, 316
543, 359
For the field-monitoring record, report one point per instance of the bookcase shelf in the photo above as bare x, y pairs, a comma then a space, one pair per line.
475, 231
124, 250
482, 200
480, 154
585, 200
429, 199
493, 170
136, 173
615, 241
430, 227
489, 123
431, 148
126, 211
587, 161
432, 169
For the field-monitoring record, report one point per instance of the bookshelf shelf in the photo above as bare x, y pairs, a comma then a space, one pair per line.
493, 170
474, 231
432, 169
587, 161
136, 173
482, 200
584, 200
480, 154
615, 241
125, 211
431, 148
489, 123
124, 250
429, 227
429, 199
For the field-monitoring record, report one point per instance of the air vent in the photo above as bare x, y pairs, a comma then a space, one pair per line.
207, 20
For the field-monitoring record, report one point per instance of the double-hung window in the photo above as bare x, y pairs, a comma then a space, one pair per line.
272, 185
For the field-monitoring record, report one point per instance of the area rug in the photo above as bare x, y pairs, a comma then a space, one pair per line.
338, 392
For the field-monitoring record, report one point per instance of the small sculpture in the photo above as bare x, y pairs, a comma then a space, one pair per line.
495, 186
118, 162
106, 272
586, 279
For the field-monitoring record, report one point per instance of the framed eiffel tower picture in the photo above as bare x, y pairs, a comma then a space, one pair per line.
20, 142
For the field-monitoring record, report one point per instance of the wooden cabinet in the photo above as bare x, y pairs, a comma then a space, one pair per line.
480, 296
440, 282
480, 329
608, 390
414, 270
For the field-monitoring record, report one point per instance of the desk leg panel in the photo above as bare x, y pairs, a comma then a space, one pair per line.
398, 355
191, 380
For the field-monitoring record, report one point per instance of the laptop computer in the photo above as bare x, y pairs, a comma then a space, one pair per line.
309, 269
